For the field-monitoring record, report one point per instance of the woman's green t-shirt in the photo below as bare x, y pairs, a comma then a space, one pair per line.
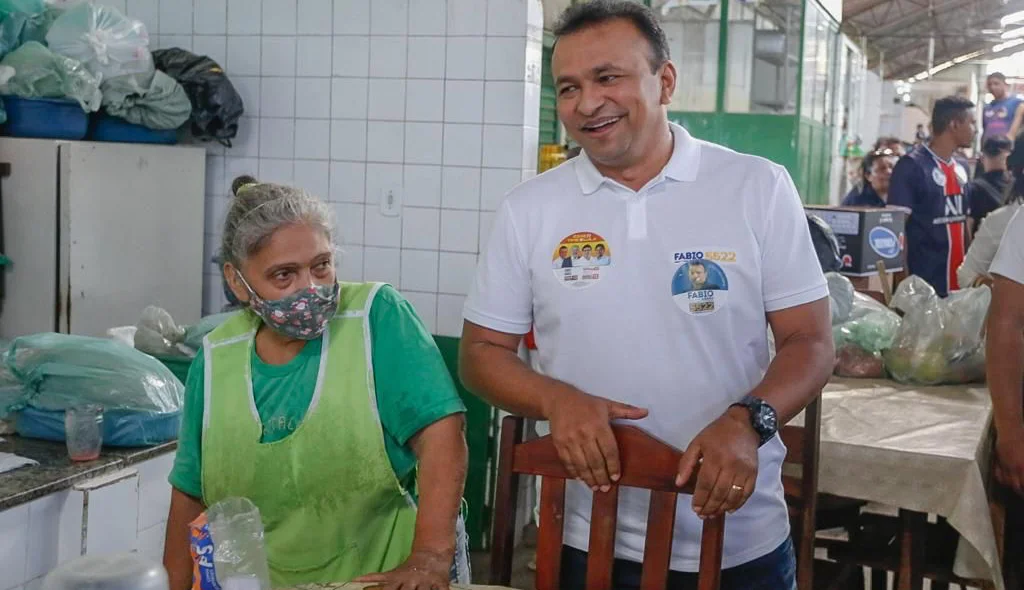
414, 390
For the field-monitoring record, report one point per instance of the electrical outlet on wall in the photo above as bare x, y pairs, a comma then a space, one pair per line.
391, 201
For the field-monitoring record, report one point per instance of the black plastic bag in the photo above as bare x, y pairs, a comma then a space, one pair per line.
825, 244
216, 105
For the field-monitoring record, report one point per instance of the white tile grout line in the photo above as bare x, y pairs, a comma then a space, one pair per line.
295, 83
444, 100
366, 139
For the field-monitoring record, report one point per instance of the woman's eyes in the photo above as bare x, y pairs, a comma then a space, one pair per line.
318, 268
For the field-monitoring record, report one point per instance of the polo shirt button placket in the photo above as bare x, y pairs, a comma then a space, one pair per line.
636, 217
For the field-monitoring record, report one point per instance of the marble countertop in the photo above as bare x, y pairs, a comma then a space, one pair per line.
56, 472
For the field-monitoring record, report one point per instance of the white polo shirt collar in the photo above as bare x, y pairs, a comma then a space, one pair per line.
682, 165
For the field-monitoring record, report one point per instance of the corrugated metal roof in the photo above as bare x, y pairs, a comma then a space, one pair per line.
897, 32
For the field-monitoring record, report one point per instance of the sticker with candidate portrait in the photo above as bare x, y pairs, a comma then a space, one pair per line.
700, 285
581, 259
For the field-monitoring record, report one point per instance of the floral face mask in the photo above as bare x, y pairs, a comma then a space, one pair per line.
303, 315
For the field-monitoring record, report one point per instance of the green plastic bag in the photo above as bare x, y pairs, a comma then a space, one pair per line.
40, 73
195, 333
58, 371
20, 28
154, 100
22, 6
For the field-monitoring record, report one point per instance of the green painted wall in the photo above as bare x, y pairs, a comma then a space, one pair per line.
480, 442
803, 147
548, 109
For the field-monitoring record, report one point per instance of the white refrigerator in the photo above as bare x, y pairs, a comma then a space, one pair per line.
95, 232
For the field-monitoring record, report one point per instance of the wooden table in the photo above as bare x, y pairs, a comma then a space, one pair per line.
924, 450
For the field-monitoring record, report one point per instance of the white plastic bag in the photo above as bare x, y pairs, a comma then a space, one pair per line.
840, 297
239, 553
940, 340
107, 43
157, 334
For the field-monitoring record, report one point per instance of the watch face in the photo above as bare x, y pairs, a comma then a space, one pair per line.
767, 421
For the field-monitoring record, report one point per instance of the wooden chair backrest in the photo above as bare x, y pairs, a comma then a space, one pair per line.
802, 448
647, 463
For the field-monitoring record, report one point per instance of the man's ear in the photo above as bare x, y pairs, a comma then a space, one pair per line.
667, 77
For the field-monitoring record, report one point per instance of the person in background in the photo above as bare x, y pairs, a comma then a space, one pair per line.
920, 136
1004, 359
648, 188
325, 403
876, 169
1002, 114
975, 269
932, 186
894, 144
988, 190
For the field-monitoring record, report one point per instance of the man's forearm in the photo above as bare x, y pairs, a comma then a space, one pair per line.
800, 369
502, 378
441, 450
1004, 350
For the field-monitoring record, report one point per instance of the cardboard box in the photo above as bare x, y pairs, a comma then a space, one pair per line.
867, 235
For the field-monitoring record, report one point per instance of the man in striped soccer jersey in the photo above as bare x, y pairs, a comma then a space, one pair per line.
932, 184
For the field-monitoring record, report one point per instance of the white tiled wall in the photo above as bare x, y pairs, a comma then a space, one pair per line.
438, 98
131, 508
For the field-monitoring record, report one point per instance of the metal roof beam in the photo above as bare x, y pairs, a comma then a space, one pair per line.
864, 9
918, 15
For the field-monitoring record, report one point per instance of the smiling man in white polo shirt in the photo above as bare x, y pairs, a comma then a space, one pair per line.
685, 355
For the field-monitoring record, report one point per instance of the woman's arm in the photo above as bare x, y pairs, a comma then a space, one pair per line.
443, 457
177, 556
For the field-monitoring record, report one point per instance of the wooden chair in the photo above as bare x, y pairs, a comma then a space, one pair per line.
646, 463
802, 444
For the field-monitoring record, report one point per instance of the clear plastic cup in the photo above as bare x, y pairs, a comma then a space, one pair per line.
83, 426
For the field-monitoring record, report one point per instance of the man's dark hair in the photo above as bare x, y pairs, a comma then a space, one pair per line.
996, 145
588, 14
699, 263
997, 76
560, 248
947, 110
587, 246
599, 246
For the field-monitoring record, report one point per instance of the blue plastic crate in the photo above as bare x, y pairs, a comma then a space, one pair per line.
110, 128
44, 118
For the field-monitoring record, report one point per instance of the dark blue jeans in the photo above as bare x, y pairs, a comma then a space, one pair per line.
775, 571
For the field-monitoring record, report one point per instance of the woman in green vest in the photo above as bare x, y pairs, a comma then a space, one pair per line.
328, 405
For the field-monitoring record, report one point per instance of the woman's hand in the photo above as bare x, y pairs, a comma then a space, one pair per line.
423, 570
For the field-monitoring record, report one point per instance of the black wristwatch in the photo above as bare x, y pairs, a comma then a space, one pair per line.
762, 417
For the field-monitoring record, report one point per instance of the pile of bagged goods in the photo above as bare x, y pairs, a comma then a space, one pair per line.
920, 338
136, 375
72, 69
